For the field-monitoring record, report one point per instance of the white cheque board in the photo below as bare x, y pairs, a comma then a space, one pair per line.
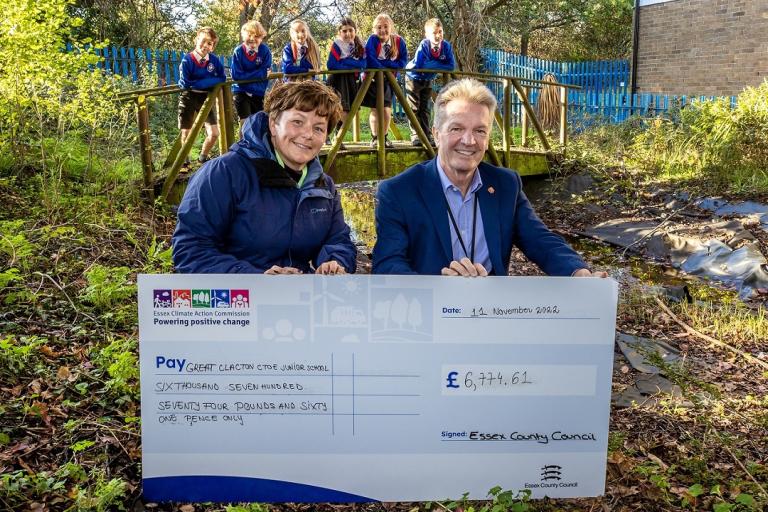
361, 388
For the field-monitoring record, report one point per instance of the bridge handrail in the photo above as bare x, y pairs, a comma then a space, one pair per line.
174, 88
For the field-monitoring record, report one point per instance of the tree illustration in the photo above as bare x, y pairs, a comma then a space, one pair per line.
399, 310
381, 312
414, 314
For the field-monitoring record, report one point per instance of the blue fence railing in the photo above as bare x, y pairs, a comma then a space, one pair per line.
586, 107
596, 76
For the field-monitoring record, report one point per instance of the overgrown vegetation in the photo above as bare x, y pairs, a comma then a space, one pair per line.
711, 142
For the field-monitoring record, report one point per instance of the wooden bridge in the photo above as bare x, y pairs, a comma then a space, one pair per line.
523, 144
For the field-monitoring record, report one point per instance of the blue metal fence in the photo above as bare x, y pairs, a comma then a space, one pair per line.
597, 76
587, 107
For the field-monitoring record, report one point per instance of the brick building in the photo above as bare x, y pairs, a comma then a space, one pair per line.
711, 47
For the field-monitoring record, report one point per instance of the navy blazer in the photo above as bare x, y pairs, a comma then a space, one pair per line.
412, 226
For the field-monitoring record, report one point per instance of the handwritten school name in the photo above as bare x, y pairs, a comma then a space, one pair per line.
181, 365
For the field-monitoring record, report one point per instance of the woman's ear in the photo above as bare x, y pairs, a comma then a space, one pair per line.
272, 123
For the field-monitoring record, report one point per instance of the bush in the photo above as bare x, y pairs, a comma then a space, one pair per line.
710, 139
49, 94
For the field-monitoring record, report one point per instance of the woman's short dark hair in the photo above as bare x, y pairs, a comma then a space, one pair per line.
305, 96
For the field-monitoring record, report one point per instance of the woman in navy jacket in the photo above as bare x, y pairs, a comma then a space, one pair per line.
267, 206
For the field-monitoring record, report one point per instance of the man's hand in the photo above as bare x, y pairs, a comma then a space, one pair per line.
585, 272
275, 270
331, 267
464, 268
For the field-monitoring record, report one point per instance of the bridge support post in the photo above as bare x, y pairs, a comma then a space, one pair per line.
563, 118
524, 123
505, 126
525, 94
352, 117
145, 145
410, 115
230, 122
173, 172
381, 129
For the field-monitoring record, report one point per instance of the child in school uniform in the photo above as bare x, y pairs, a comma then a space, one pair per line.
384, 49
347, 52
250, 60
301, 54
434, 52
199, 71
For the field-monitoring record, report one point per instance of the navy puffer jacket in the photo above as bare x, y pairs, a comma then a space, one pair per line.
243, 213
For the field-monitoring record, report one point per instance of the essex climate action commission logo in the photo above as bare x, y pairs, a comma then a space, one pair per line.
198, 298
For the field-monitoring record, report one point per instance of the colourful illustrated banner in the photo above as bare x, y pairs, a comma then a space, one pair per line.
373, 388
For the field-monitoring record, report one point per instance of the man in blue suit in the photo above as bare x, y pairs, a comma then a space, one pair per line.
456, 215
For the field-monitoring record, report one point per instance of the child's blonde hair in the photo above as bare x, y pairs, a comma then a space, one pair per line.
208, 32
432, 23
254, 28
313, 52
392, 35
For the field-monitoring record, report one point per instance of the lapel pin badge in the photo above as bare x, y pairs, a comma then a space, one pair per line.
491, 190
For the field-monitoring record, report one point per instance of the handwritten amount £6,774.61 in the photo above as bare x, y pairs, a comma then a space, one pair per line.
487, 380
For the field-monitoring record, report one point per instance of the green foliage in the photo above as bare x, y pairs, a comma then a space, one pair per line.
159, 256
81, 446
501, 501
45, 101
604, 31
17, 486
102, 496
119, 361
108, 286
711, 139
18, 355
247, 507
15, 245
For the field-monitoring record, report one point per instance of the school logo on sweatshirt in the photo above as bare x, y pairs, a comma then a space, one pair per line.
211, 68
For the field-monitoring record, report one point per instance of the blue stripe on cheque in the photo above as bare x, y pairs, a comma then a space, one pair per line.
235, 489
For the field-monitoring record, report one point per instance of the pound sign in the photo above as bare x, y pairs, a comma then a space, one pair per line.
452, 380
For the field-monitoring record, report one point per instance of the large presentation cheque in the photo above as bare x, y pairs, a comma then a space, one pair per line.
359, 388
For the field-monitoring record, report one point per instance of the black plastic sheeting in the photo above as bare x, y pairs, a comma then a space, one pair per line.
697, 249
723, 208
650, 386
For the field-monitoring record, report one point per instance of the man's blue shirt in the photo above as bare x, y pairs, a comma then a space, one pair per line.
464, 212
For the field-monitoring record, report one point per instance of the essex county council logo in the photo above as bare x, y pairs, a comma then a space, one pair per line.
201, 298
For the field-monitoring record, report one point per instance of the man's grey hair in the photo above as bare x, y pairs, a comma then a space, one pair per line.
468, 89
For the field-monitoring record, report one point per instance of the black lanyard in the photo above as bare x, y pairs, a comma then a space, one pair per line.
458, 233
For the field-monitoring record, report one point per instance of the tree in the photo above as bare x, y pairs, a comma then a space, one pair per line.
45, 99
139, 23
564, 24
227, 16
591, 29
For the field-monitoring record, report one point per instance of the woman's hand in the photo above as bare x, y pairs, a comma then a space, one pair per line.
275, 270
331, 267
